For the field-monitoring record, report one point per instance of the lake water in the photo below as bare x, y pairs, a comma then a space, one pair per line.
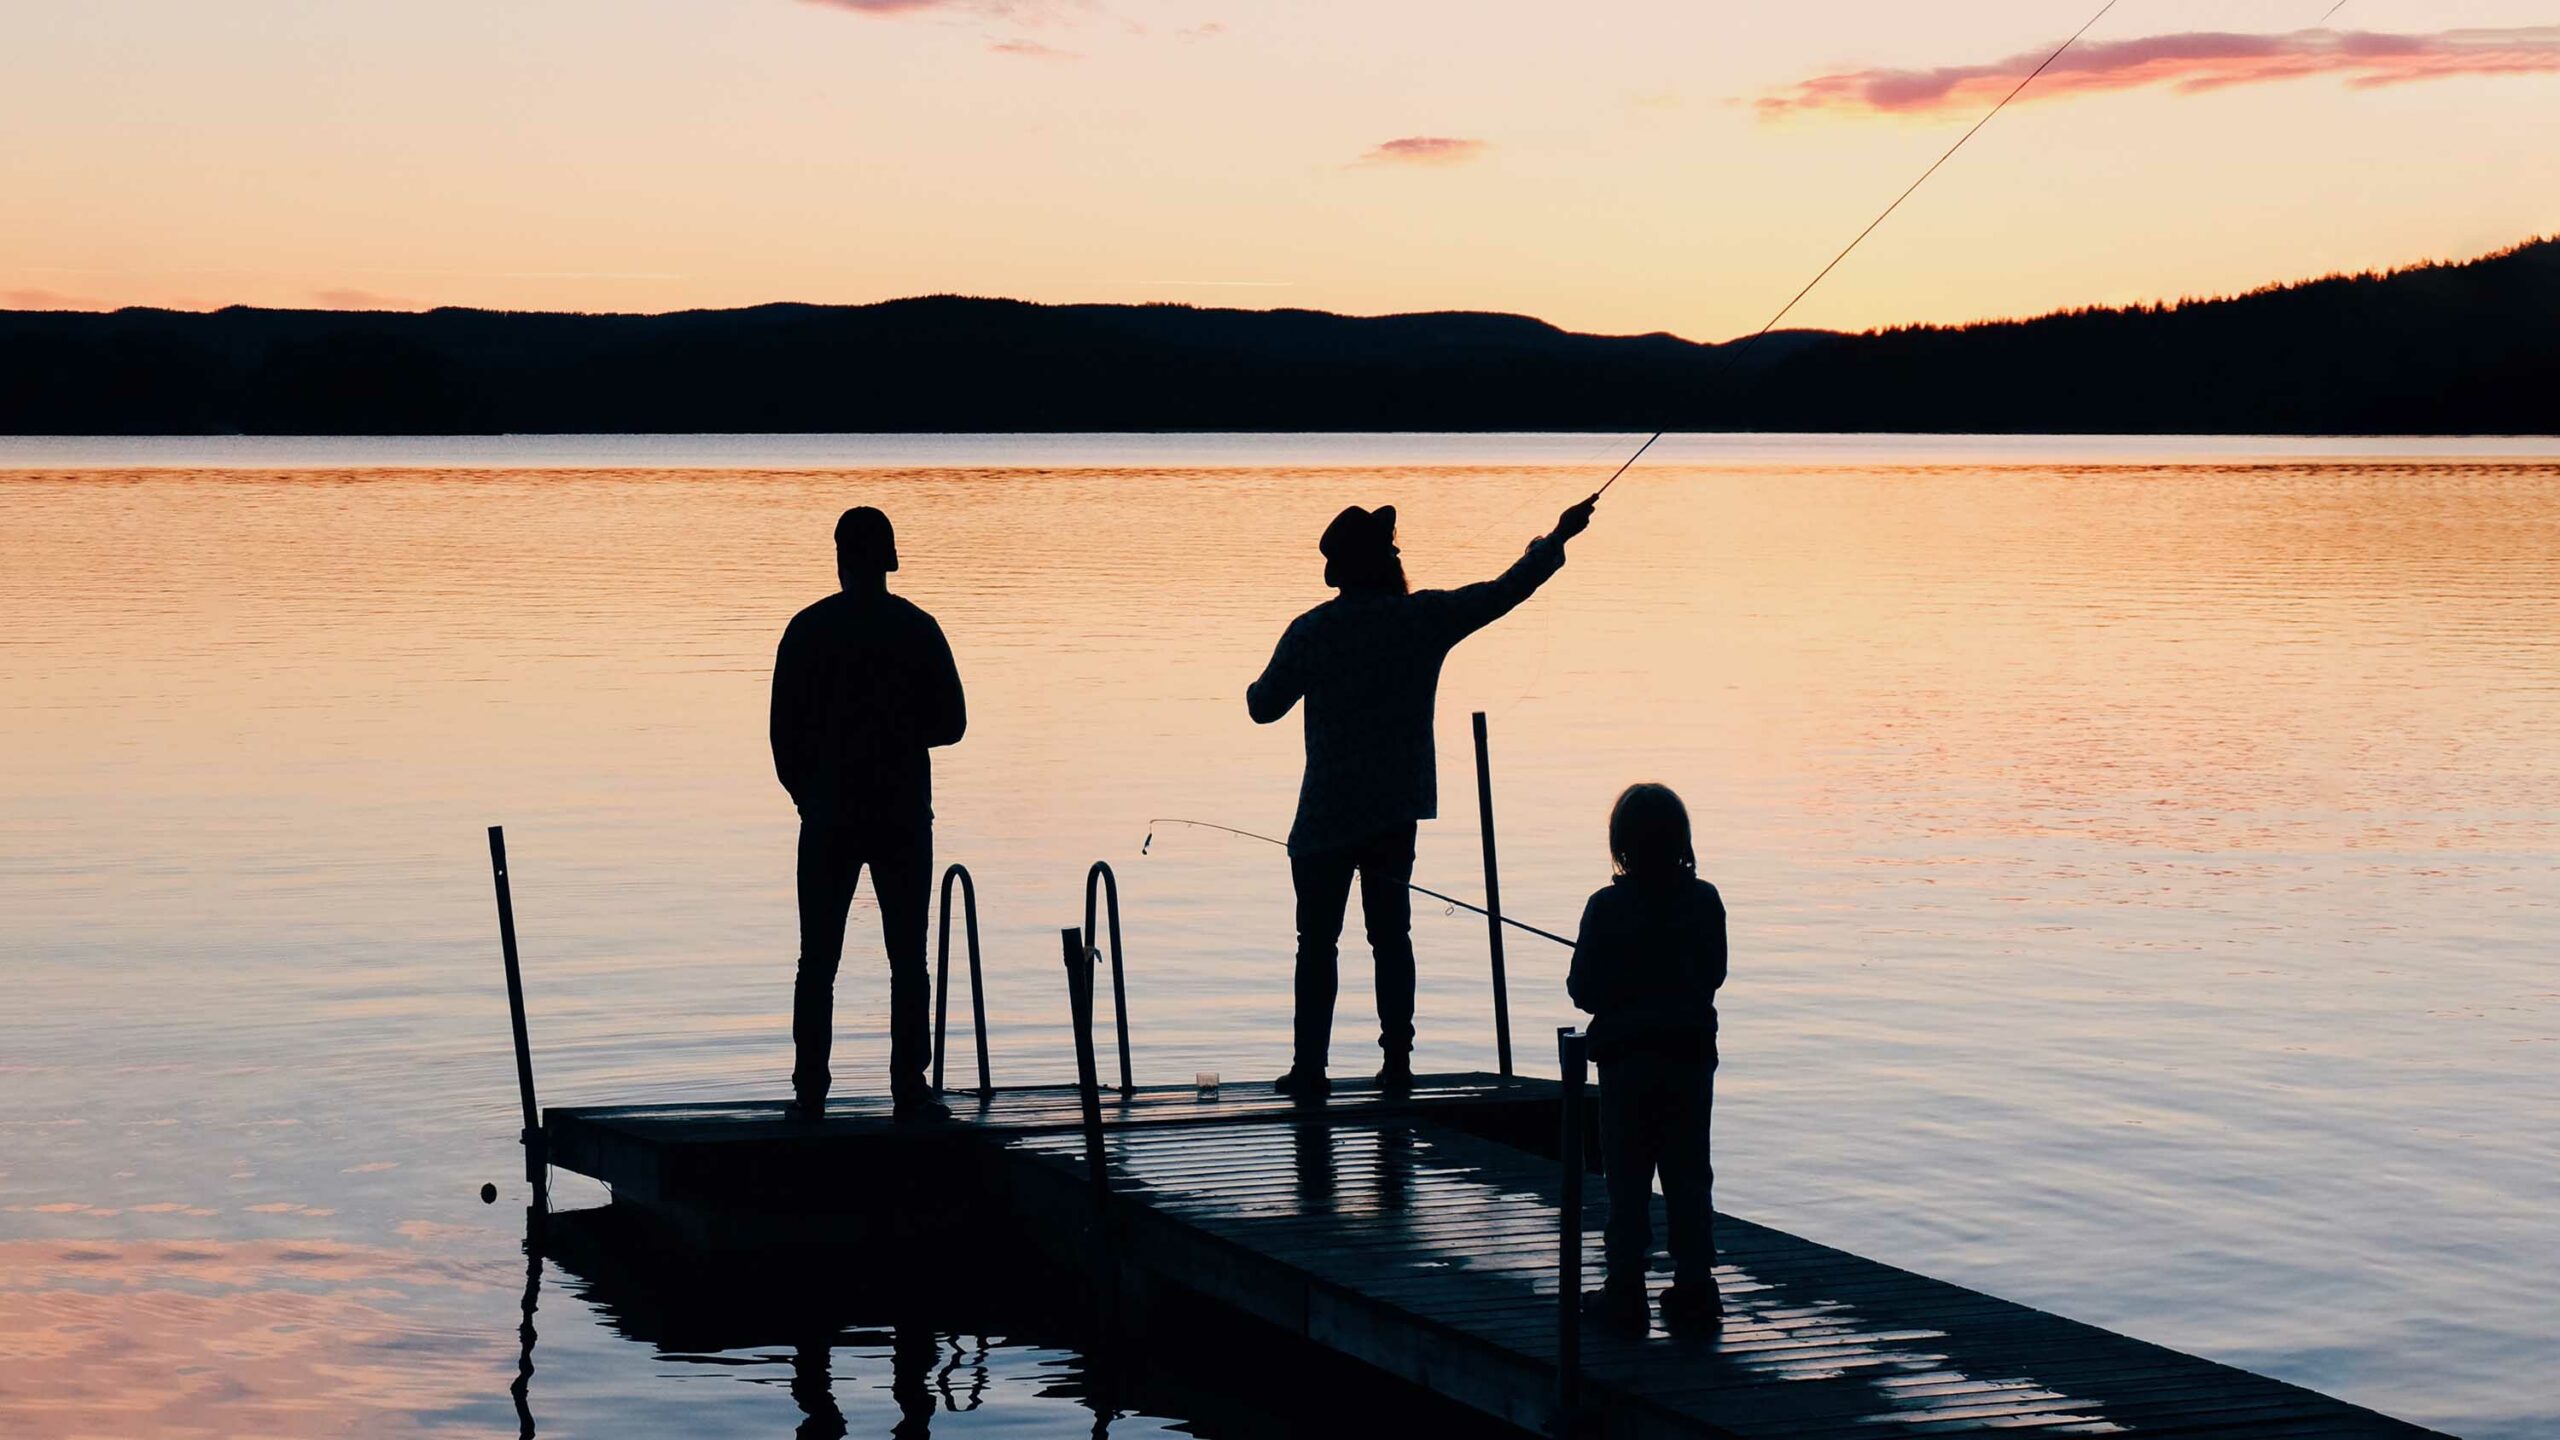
2141, 858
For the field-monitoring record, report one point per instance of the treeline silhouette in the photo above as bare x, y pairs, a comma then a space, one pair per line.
2472, 347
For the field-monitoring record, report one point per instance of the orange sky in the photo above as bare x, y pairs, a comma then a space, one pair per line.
1624, 165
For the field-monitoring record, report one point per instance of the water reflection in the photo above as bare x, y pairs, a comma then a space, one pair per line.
2171, 841
862, 1344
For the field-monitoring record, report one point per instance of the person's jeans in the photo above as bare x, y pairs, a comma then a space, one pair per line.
1655, 1111
831, 861
1384, 863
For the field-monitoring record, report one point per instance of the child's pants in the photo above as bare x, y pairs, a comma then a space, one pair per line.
1654, 1113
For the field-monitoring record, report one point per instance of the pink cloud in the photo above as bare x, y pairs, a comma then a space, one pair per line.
2188, 63
1424, 150
1020, 10
1032, 49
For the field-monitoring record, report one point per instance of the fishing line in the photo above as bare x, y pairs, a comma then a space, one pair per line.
1145, 845
1727, 354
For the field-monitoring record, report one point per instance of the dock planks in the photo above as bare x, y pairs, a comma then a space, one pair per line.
1418, 1235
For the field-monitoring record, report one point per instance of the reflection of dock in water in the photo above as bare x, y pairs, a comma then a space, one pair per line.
1419, 1236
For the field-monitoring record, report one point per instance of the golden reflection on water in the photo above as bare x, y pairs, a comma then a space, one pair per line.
227, 1338
2143, 856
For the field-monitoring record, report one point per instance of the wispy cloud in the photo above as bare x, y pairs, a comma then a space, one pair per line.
1424, 150
1032, 50
1028, 11
2190, 62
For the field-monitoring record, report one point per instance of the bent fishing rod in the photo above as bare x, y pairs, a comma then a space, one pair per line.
1727, 354
1149, 842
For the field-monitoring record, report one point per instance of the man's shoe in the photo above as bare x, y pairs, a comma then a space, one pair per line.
919, 1110
1619, 1310
1396, 1076
1693, 1307
806, 1109
1303, 1085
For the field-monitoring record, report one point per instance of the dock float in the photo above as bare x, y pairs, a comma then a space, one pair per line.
1420, 1235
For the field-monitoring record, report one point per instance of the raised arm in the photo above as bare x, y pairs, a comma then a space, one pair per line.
1470, 608
1283, 682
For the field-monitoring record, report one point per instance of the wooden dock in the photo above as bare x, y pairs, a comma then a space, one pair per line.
1419, 1235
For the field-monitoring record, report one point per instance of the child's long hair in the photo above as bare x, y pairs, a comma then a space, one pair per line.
1649, 834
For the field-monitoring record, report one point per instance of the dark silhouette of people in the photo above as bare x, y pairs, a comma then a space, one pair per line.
1367, 663
863, 686
1646, 965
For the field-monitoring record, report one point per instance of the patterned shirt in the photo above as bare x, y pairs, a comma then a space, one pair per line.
1367, 662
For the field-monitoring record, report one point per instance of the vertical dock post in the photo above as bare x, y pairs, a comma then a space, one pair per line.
535, 1158
1079, 958
1573, 1054
1492, 900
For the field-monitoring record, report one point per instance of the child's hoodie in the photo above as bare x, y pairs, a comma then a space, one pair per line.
1647, 965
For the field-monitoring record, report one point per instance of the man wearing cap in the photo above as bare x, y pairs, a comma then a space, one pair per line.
1367, 663
863, 687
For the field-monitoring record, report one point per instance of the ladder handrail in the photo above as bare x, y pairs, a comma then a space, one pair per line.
1100, 875
942, 977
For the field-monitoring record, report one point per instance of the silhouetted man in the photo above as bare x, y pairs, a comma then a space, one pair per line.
1367, 662
863, 686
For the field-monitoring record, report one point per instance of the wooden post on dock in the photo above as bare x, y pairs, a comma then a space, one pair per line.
1079, 959
535, 1161
1492, 900
1573, 1055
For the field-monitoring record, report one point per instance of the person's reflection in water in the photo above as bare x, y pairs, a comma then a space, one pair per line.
863, 687
1395, 1171
813, 1389
1311, 1155
912, 1353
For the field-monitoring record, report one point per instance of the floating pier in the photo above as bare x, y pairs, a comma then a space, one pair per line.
1419, 1235
1427, 1234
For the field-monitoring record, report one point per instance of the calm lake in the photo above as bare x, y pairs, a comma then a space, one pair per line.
2143, 860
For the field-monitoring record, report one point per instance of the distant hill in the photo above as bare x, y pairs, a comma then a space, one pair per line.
2453, 348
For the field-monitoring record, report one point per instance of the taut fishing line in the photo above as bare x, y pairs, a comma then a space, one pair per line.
1451, 900
1729, 353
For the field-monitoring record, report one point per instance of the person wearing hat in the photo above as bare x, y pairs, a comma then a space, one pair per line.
1367, 664
863, 687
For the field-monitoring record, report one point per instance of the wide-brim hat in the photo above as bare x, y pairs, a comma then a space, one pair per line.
1359, 533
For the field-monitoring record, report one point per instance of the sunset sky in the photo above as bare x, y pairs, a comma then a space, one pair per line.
1620, 165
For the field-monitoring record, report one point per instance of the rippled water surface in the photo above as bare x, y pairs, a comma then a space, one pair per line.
2141, 858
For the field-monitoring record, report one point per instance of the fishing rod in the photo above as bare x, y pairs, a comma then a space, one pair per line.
1729, 353
1149, 842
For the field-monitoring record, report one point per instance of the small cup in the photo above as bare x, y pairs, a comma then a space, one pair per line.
1205, 1085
